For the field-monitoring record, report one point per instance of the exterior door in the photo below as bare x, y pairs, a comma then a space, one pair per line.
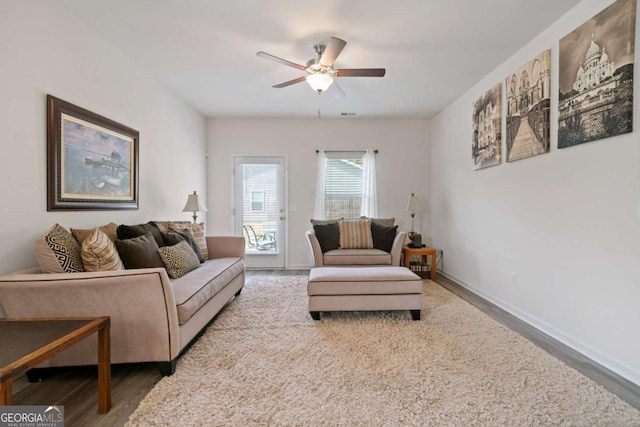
259, 213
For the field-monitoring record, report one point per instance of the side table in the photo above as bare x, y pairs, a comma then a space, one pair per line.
423, 253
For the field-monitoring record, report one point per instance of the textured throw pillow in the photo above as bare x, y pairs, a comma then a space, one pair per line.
383, 237
109, 229
139, 252
174, 237
355, 234
179, 259
324, 221
57, 251
328, 236
99, 253
386, 222
131, 231
197, 230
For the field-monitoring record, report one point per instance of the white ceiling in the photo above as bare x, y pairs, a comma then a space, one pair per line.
205, 50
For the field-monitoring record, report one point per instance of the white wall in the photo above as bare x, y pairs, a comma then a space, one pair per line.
44, 50
402, 166
566, 222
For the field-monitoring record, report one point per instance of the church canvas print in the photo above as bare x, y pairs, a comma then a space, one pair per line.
528, 105
596, 77
486, 148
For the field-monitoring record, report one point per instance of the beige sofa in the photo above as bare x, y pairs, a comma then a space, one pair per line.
356, 257
153, 318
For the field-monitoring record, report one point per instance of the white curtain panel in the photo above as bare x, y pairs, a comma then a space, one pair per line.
369, 205
318, 212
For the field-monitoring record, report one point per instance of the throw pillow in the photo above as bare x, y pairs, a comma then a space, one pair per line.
179, 259
324, 221
386, 222
57, 251
191, 240
355, 234
131, 231
198, 233
171, 238
139, 252
328, 236
109, 229
382, 236
99, 253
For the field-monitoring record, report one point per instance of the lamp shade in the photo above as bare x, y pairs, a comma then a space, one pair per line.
194, 204
413, 205
319, 81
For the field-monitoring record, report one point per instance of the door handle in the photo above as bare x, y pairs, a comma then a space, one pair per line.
281, 218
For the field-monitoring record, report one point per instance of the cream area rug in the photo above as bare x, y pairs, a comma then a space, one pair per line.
265, 362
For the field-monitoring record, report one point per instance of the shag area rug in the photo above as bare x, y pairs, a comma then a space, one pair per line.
265, 362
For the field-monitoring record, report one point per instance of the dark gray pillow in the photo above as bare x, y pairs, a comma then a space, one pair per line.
328, 236
139, 252
131, 231
383, 237
191, 240
171, 238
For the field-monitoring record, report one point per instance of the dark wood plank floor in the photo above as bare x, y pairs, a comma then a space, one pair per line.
77, 388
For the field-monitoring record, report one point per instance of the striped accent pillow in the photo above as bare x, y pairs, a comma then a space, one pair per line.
198, 233
99, 253
57, 251
355, 234
179, 259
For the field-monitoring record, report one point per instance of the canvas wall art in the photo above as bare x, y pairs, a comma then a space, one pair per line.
528, 107
596, 77
486, 148
92, 160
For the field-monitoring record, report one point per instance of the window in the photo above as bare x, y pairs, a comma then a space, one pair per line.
257, 201
346, 185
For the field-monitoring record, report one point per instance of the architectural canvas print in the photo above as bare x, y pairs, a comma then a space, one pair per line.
596, 77
486, 149
528, 104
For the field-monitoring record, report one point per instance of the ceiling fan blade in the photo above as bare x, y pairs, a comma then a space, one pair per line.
360, 72
335, 90
290, 82
332, 51
266, 55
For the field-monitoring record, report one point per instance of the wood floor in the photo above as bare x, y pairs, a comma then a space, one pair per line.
77, 388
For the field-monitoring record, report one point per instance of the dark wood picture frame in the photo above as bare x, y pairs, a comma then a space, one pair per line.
92, 161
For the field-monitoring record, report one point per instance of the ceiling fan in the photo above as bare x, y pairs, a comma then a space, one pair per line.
320, 71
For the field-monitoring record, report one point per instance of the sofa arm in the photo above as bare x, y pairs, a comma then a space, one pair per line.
396, 249
316, 251
141, 304
225, 246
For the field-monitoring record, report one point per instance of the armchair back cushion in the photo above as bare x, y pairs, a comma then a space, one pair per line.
328, 236
355, 234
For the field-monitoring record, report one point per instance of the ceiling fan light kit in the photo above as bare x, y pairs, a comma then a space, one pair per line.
320, 71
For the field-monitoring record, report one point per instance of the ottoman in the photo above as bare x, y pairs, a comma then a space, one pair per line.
364, 289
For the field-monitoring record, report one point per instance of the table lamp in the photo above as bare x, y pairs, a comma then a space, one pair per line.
194, 204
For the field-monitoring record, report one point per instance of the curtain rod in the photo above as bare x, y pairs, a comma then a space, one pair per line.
346, 151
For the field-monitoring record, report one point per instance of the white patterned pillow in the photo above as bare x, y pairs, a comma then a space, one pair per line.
179, 259
99, 253
57, 251
355, 234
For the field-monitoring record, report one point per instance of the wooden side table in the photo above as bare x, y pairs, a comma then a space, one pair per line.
423, 253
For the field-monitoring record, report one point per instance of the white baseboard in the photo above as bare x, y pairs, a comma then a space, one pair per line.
586, 351
298, 267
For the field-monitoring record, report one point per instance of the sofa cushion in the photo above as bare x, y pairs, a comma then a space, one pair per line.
195, 289
139, 252
131, 231
328, 236
385, 222
355, 234
99, 253
324, 221
197, 230
363, 281
179, 259
383, 236
109, 229
357, 257
57, 251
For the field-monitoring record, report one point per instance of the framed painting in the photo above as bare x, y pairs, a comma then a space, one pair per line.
486, 148
595, 99
92, 161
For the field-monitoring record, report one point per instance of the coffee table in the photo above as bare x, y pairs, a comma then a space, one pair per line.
26, 343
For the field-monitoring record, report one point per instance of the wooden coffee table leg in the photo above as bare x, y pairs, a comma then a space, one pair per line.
6, 392
104, 369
